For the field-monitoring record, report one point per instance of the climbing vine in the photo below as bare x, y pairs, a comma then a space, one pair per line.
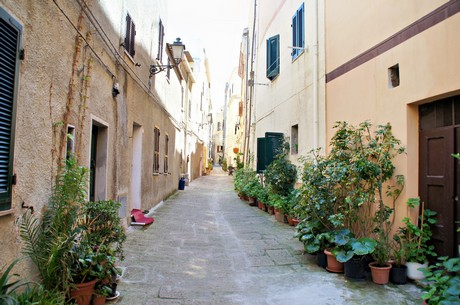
59, 128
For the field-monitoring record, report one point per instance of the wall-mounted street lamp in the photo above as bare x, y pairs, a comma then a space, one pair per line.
177, 50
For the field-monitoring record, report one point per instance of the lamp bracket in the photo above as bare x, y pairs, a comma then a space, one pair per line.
155, 69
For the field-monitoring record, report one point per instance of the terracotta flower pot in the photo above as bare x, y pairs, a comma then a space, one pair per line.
333, 265
82, 293
261, 205
279, 216
252, 201
290, 220
99, 300
270, 210
380, 275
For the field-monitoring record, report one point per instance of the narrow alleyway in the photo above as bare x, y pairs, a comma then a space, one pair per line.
207, 246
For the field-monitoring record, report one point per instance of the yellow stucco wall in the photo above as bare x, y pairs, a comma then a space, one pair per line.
428, 67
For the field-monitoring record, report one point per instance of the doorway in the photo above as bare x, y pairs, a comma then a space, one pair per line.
136, 167
98, 162
439, 176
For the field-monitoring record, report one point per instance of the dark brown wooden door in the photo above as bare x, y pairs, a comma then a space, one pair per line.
437, 184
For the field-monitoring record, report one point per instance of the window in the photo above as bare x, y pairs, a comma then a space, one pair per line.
156, 150
220, 148
295, 139
298, 36
70, 149
161, 35
393, 76
166, 165
273, 57
219, 126
130, 34
10, 37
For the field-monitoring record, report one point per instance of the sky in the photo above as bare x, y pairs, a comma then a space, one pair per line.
215, 25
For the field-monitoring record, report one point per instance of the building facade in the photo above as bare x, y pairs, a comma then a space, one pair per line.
233, 120
96, 79
286, 98
403, 69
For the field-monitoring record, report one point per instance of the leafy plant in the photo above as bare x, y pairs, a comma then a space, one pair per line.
106, 228
354, 247
313, 235
280, 174
415, 237
70, 242
8, 284
13, 292
442, 282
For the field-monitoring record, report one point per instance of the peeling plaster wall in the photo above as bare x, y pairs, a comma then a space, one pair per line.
51, 41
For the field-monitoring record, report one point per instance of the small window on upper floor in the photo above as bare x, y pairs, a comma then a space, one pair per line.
130, 34
273, 57
161, 35
166, 158
298, 35
393, 76
156, 150
295, 139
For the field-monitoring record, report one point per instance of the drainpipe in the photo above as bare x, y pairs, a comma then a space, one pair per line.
251, 91
315, 77
246, 99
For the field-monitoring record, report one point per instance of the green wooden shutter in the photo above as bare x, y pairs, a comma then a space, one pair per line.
10, 34
273, 146
260, 154
273, 57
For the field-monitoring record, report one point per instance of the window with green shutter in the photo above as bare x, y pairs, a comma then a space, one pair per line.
273, 57
298, 36
10, 38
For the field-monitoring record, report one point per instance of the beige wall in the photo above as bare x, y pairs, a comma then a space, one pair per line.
428, 65
354, 26
49, 40
291, 98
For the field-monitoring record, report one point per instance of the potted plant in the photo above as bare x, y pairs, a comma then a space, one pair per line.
279, 203
67, 244
315, 237
280, 174
262, 197
416, 238
251, 186
353, 252
398, 272
442, 282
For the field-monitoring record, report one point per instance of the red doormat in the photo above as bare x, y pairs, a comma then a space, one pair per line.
138, 218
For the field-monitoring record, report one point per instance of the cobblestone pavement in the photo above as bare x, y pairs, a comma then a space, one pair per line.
207, 246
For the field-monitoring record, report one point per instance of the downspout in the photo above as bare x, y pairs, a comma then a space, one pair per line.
252, 78
315, 78
246, 97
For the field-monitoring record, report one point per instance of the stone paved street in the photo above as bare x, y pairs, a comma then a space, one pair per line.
207, 246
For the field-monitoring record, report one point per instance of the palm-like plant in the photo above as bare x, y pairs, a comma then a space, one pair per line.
60, 238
